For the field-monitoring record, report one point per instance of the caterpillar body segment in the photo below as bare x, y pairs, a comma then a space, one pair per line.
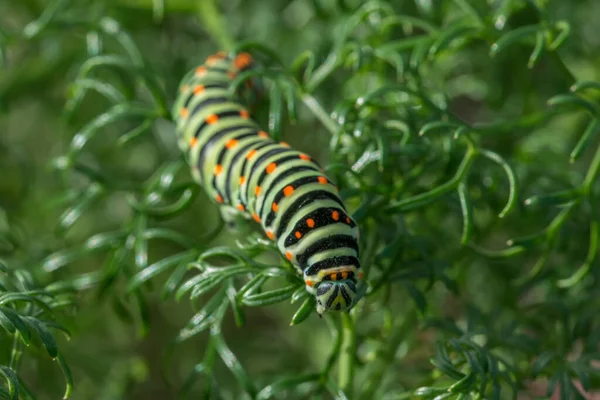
251, 176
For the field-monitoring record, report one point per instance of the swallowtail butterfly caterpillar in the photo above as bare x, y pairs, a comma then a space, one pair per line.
252, 176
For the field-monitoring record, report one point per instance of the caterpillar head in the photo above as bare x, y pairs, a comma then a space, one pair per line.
336, 295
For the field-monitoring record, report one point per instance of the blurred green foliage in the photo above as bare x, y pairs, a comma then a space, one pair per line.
463, 135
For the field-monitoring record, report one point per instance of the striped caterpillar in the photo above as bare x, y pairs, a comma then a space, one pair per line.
251, 176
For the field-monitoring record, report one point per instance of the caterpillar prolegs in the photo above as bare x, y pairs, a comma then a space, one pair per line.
254, 177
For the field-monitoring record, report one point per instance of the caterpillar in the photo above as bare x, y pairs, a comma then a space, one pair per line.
250, 175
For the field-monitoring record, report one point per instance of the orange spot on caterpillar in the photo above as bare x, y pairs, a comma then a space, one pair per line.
212, 118
219, 199
270, 235
231, 143
304, 157
257, 190
250, 154
193, 142
201, 71
256, 217
271, 167
298, 235
244, 114
310, 222
288, 255
198, 89
274, 207
347, 220
263, 134
211, 60
360, 275
309, 283
284, 144
333, 277
184, 112
288, 190
218, 169
240, 207
344, 274
242, 60
322, 180
242, 180
335, 215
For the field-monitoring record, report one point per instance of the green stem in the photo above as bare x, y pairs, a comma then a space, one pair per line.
386, 354
346, 363
563, 68
209, 15
335, 350
422, 199
17, 350
592, 173
316, 108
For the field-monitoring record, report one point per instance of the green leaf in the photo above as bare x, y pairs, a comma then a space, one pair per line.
448, 36
512, 37
83, 84
226, 253
6, 323
4, 394
585, 85
270, 297
86, 200
79, 283
44, 334
216, 277
253, 285
67, 374
591, 132
233, 364
540, 41
238, 312
282, 385
417, 296
12, 381
116, 113
95, 243
554, 199
23, 297
574, 101
541, 362
174, 280
511, 203
18, 323
428, 391
203, 319
160, 266
467, 213
304, 311
275, 113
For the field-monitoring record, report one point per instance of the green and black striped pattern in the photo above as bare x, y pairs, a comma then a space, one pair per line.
249, 174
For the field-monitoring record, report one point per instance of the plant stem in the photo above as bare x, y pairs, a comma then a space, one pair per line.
592, 173
423, 199
316, 108
563, 68
346, 363
387, 353
209, 15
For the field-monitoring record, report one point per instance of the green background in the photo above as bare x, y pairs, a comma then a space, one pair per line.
518, 290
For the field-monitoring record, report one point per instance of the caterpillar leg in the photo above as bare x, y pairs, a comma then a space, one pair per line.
235, 220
